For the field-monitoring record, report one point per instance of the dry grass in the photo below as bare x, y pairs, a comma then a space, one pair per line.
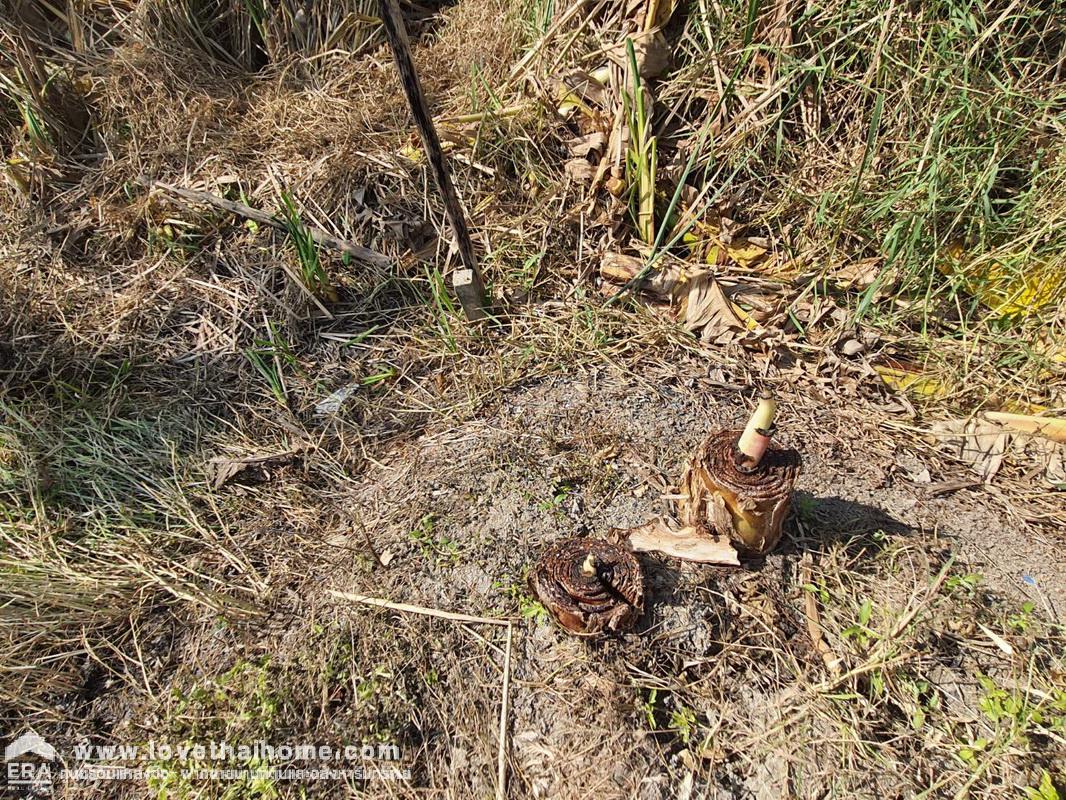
142, 340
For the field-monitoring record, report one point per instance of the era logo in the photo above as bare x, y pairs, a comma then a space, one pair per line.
22, 772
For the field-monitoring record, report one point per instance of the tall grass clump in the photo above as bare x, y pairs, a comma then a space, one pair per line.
43, 109
250, 34
924, 135
100, 520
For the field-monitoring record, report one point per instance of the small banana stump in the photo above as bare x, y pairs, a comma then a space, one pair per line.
745, 498
589, 585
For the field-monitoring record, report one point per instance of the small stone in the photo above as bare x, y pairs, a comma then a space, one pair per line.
852, 347
333, 403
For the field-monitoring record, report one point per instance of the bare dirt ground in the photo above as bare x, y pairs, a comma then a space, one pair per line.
577, 456
720, 690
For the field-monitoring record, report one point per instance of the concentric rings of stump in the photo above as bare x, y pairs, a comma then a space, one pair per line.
609, 599
748, 506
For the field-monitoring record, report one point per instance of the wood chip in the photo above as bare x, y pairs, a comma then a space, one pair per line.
689, 544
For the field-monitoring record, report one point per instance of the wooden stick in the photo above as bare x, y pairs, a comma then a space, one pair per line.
423, 610
471, 291
814, 623
1053, 428
501, 754
240, 209
467, 285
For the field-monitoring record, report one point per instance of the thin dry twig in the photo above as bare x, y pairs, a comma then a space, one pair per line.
240, 209
501, 760
412, 609
501, 757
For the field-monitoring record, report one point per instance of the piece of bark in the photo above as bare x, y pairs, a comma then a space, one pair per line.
687, 543
814, 623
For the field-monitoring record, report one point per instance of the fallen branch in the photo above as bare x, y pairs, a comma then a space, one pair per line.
240, 209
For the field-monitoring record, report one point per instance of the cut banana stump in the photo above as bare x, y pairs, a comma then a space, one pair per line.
747, 504
734, 496
589, 585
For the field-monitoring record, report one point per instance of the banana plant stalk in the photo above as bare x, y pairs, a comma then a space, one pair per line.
643, 155
739, 483
589, 586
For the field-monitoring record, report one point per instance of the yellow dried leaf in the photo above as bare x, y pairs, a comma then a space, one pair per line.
659, 13
1053, 428
1019, 407
1007, 290
905, 380
746, 319
745, 253
740, 250
18, 172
